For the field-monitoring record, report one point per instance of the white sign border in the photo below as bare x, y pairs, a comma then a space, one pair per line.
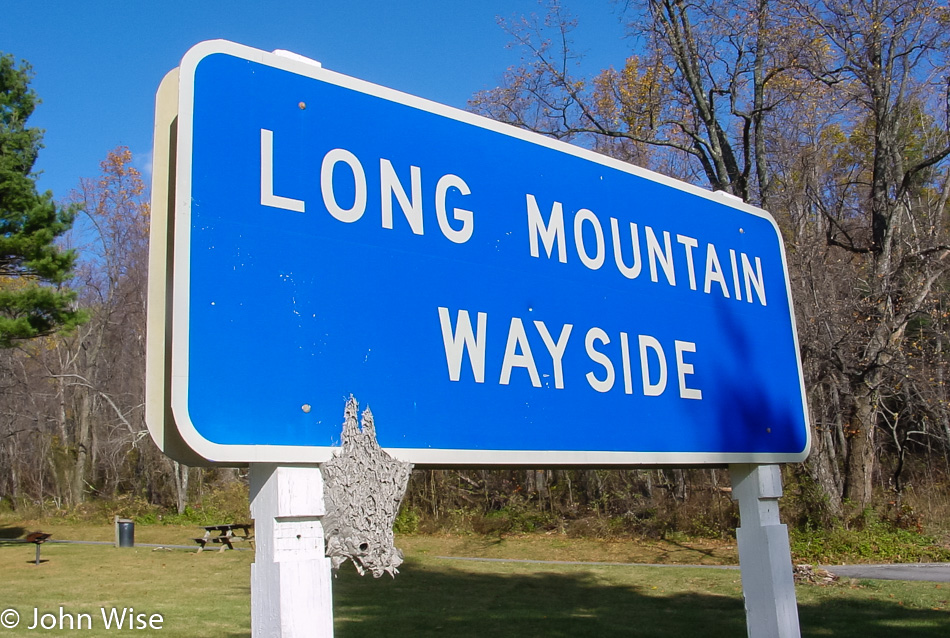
226, 454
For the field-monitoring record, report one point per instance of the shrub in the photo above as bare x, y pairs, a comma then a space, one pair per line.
407, 521
867, 538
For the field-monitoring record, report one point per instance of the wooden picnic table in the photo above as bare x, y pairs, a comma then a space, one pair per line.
227, 535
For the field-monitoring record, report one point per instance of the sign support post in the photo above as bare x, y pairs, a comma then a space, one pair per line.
290, 576
768, 585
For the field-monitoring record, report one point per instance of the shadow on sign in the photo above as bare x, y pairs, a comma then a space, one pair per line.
754, 419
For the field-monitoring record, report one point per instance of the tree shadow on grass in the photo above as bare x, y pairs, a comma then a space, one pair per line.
864, 618
443, 601
437, 600
11, 535
10, 532
694, 548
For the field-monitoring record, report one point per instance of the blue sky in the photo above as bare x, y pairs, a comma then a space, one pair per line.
98, 63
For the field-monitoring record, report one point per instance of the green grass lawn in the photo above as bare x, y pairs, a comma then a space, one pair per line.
449, 598
208, 594
204, 594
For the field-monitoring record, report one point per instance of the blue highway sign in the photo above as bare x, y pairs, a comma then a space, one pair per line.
496, 297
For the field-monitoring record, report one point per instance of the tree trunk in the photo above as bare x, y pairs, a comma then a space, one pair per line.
824, 470
83, 441
181, 475
61, 416
14, 478
823, 464
861, 453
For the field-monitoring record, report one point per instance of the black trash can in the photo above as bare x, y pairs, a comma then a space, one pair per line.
125, 532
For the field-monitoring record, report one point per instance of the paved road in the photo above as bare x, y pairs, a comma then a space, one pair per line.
933, 572
936, 572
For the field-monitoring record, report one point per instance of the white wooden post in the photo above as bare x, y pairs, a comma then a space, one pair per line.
765, 558
290, 576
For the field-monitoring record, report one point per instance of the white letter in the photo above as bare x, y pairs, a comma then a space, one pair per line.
690, 243
465, 216
550, 234
631, 272
665, 256
63, 616
267, 177
683, 368
596, 334
555, 349
753, 281
113, 617
652, 389
714, 272
517, 339
390, 185
330, 160
625, 357
735, 274
455, 344
598, 260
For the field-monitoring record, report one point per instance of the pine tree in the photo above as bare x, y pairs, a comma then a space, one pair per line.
33, 269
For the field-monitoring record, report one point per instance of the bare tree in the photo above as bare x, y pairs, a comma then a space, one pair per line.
98, 371
884, 210
834, 116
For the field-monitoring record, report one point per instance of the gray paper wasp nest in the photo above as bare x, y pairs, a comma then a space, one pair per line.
364, 487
